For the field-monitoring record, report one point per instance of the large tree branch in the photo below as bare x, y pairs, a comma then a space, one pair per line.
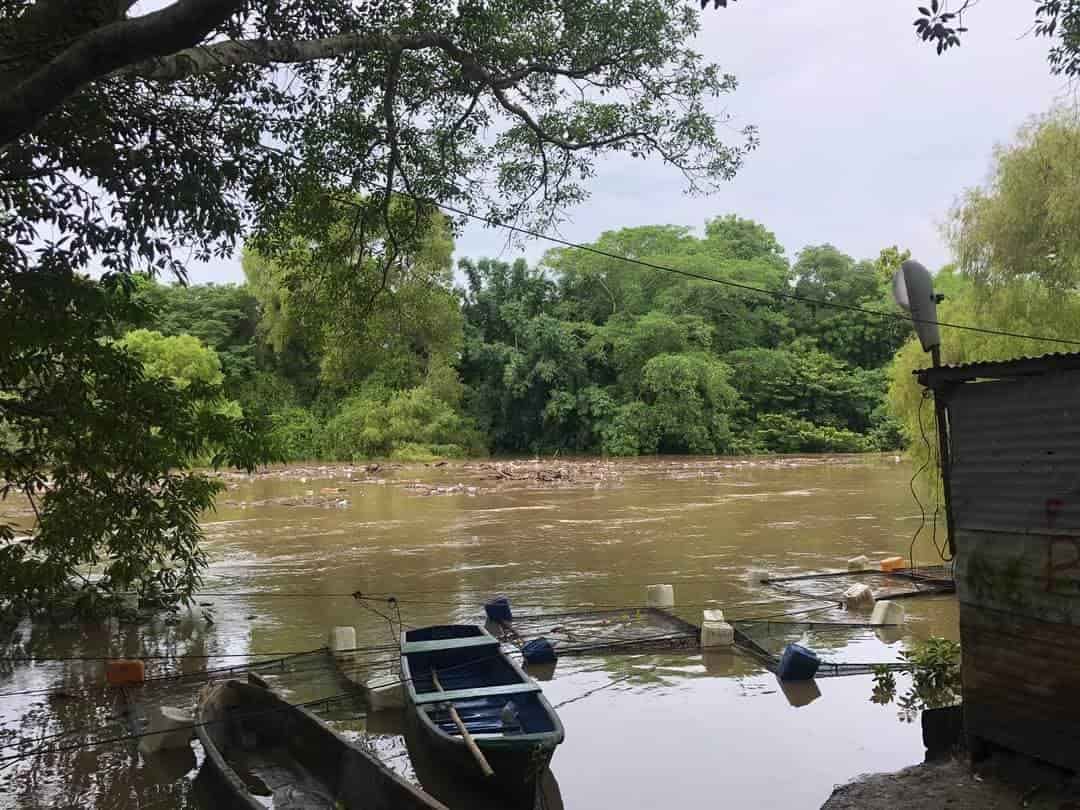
102, 51
555, 140
148, 47
210, 58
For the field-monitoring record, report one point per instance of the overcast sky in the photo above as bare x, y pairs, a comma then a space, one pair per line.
867, 136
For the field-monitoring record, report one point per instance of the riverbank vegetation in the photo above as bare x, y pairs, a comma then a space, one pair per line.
1017, 246
581, 353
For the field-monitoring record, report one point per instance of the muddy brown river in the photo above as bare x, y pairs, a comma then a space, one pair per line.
675, 729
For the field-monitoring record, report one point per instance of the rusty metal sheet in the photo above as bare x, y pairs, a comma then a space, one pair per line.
1020, 677
1037, 576
1015, 447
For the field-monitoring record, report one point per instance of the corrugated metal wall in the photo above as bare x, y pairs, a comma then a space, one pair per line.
1015, 447
1016, 454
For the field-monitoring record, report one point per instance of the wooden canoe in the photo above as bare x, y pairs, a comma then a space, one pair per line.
268, 753
463, 667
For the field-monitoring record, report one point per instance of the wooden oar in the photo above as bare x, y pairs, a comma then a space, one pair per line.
470, 743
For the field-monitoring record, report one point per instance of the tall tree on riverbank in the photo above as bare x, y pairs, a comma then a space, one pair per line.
331, 284
131, 142
1018, 261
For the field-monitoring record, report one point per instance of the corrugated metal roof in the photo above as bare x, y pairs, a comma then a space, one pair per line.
997, 369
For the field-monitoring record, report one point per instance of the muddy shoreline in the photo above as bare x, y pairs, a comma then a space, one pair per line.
1004, 782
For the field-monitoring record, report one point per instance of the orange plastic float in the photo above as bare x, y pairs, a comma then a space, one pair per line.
124, 672
892, 564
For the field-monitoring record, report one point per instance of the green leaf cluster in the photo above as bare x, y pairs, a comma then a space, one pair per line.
1018, 267
934, 665
589, 353
99, 435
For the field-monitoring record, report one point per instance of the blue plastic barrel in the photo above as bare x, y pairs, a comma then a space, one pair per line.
539, 651
797, 663
498, 609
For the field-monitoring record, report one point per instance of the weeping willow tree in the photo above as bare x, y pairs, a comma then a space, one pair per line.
1017, 247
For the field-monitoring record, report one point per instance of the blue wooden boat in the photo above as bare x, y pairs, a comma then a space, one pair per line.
462, 670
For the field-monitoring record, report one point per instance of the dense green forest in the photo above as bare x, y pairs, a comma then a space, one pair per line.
581, 353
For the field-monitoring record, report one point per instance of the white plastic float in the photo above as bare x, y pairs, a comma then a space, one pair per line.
886, 612
715, 632
858, 596
660, 596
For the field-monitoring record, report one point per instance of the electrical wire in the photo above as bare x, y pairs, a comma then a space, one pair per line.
817, 302
8, 760
137, 736
308, 704
436, 591
933, 455
376, 648
382, 654
590, 692
914, 493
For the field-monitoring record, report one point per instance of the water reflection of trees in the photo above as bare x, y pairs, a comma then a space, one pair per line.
56, 715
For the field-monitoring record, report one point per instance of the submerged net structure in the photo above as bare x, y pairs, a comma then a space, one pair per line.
635, 630
903, 583
826, 669
582, 632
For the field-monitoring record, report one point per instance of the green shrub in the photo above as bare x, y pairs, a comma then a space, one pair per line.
780, 433
935, 678
413, 423
296, 434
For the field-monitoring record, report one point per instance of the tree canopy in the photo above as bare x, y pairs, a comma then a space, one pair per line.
134, 141
581, 353
328, 288
1018, 266
218, 115
587, 352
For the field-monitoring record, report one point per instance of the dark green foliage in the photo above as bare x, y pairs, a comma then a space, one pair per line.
941, 25
100, 449
222, 316
823, 273
584, 353
296, 434
1058, 20
782, 433
412, 425
589, 353
935, 678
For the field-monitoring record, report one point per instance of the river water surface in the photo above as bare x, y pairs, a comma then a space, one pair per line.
664, 730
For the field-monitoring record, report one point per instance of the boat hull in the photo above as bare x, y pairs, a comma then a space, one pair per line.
460, 784
236, 721
518, 771
504, 710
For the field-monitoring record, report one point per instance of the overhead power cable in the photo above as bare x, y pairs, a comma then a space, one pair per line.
819, 302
